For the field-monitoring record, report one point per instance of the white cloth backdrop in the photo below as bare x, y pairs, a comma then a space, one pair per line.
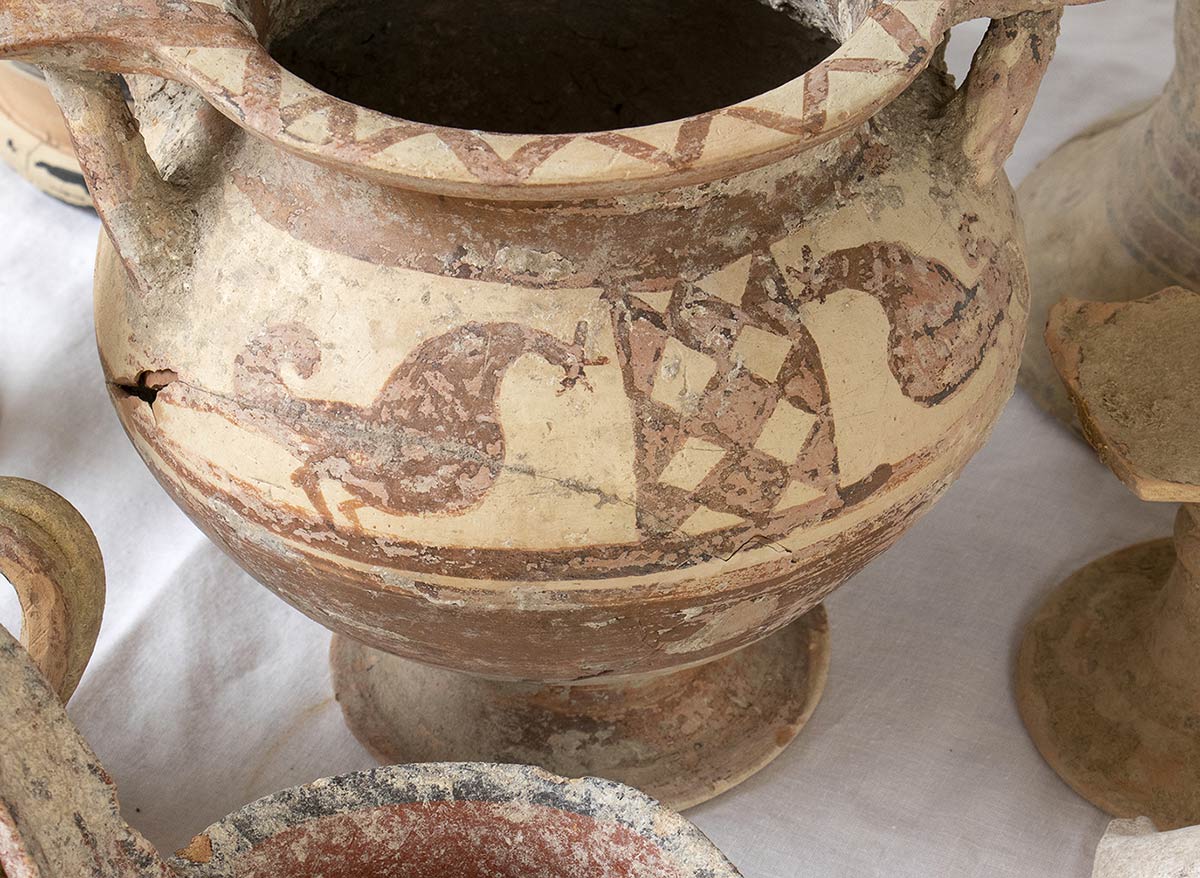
206, 691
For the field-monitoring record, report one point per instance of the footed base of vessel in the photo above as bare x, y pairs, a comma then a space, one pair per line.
1096, 706
683, 737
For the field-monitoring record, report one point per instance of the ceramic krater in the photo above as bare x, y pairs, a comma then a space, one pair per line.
1114, 213
1106, 679
33, 135
566, 435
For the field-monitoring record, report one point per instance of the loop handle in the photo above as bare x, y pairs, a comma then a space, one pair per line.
48, 553
81, 45
989, 110
150, 221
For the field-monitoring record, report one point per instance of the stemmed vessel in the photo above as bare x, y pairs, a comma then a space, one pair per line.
1114, 213
1106, 679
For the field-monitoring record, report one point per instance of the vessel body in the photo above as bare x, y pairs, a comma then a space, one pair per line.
566, 439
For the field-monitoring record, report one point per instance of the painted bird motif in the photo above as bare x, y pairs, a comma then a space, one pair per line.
772, 447
430, 443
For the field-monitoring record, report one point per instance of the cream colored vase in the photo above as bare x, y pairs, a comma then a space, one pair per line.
563, 434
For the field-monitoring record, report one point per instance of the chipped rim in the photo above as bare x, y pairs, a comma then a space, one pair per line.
880, 57
217, 850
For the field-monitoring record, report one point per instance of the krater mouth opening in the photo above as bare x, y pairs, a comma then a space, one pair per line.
545, 99
551, 66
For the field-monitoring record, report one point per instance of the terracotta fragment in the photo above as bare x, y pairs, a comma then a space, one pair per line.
1106, 679
571, 418
1132, 849
59, 816
34, 138
1114, 213
48, 553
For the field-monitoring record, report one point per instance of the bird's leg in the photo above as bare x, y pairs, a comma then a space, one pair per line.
578, 360
307, 479
575, 375
349, 508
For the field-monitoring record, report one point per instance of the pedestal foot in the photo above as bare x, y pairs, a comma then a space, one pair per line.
1125, 736
682, 737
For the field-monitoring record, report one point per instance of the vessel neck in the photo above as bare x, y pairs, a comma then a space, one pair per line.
1187, 45
1154, 202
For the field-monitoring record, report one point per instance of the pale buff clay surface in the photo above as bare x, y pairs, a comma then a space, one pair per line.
562, 408
683, 447
574, 438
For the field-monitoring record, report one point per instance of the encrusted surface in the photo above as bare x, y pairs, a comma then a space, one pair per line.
1133, 372
606, 404
682, 737
1097, 705
635, 433
469, 819
58, 807
1107, 678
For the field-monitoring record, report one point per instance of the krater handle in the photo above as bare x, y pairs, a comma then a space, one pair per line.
989, 110
81, 43
48, 553
149, 220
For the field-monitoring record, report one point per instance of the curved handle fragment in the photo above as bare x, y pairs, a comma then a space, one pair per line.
115, 35
48, 553
58, 807
987, 113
